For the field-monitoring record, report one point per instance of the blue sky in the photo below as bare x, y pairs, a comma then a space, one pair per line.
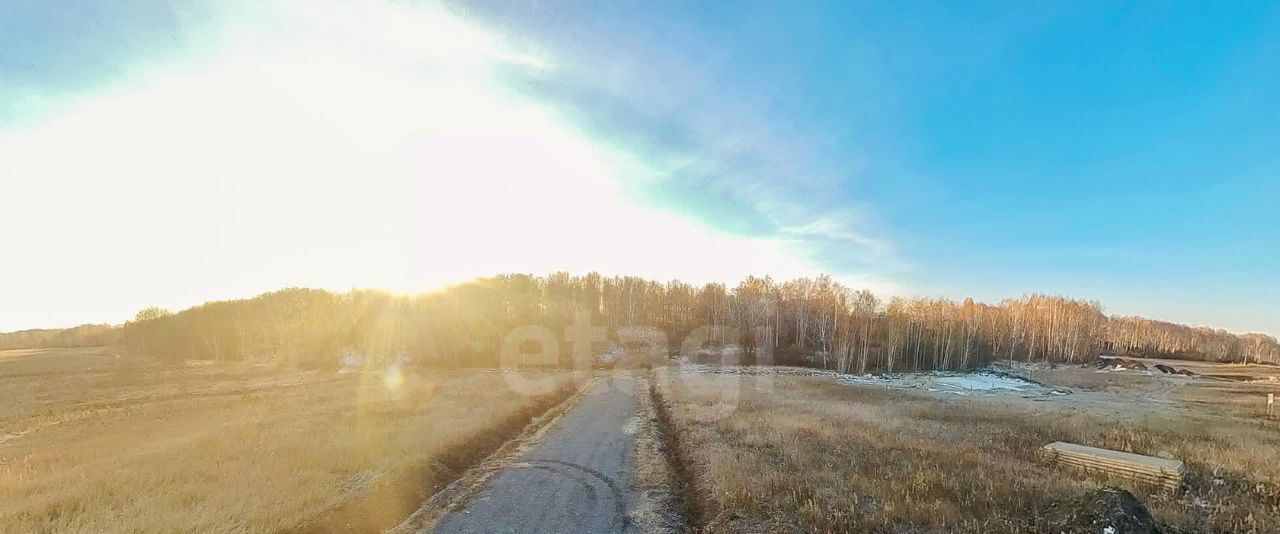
1125, 153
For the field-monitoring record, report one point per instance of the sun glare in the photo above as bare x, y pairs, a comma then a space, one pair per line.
421, 166
393, 378
537, 266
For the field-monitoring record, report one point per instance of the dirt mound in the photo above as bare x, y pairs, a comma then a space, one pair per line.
1106, 511
1170, 370
1120, 364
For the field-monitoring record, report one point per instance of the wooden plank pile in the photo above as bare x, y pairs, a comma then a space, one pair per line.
1159, 472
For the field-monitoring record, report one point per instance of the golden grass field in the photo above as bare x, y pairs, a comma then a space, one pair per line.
93, 443
90, 443
813, 455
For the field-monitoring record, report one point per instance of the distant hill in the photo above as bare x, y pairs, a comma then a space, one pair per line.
87, 335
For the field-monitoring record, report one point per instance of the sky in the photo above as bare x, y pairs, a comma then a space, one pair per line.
168, 153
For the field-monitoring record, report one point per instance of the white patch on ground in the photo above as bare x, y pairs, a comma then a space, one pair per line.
984, 382
981, 382
351, 363
612, 355
632, 426
976, 383
683, 365
1122, 369
1024, 366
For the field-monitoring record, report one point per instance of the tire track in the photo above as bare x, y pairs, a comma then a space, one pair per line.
577, 477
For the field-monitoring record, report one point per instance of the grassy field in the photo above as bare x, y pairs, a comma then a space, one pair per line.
91, 443
813, 455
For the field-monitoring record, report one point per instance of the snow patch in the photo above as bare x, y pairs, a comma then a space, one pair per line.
614, 353
976, 383
984, 382
981, 382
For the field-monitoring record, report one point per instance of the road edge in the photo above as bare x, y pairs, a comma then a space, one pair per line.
658, 479
460, 491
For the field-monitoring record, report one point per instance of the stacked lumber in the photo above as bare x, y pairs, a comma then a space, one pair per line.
1146, 469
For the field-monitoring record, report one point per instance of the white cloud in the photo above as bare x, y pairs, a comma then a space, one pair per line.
330, 145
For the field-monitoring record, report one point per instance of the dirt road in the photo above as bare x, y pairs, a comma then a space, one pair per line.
576, 478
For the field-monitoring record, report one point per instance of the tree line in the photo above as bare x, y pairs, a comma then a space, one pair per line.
88, 335
809, 321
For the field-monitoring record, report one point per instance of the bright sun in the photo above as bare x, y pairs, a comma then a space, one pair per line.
397, 157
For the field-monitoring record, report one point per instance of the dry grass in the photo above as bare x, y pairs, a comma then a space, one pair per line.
88, 444
811, 455
661, 509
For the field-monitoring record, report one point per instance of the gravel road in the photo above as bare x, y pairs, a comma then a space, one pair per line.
576, 478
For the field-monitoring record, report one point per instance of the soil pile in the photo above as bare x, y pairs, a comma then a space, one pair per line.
1104, 511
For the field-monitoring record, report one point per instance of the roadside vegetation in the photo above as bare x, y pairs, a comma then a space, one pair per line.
94, 443
815, 455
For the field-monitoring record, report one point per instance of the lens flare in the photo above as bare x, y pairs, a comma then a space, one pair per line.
393, 378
